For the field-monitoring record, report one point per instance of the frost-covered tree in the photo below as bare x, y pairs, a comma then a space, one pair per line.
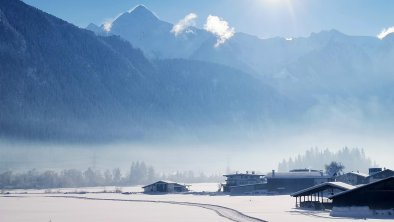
116, 176
334, 168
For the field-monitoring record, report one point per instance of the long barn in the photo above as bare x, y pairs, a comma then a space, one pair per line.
376, 195
316, 197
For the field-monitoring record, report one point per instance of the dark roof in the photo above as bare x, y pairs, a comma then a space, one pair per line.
366, 186
304, 170
164, 181
384, 171
243, 174
321, 187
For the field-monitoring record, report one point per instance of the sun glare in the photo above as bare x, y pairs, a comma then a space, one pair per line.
274, 2
279, 4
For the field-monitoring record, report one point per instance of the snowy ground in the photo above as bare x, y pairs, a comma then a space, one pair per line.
42, 209
55, 207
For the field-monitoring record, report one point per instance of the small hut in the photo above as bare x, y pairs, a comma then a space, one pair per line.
165, 187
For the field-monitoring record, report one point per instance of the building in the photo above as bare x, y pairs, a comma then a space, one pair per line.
295, 180
248, 189
379, 175
352, 178
243, 182
374, 170
371, 198
165, 187
316, 197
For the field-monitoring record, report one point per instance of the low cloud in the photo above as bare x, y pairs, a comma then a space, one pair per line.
385, 32
183, 24
107, 25
220, 28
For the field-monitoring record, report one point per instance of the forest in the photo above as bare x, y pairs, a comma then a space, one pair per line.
353, 159
139, 174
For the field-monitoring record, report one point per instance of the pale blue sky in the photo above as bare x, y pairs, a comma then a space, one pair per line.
264, 18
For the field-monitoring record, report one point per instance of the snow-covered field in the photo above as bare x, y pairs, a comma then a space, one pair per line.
42, 209
36, 205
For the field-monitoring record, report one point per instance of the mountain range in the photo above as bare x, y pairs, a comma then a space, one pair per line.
63, 83
134, 79
324, 62
332, 78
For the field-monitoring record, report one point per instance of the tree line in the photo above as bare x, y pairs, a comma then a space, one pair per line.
353, 158
138, 174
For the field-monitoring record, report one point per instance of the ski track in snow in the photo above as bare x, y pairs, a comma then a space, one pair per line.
225, 212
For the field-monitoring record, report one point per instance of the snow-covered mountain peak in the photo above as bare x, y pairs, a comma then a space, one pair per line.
389, 37
141, 12
138, 18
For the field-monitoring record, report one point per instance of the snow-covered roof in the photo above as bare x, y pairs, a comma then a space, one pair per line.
358, 174
323, 186
311, 174
164, 181
243, 174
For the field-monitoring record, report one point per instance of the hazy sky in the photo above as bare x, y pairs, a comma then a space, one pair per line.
264, 18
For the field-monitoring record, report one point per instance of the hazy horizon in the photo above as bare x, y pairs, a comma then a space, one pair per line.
208, 157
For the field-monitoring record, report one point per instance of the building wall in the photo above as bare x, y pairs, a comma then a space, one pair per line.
242, 179
236, 180
174, 188
351, 179
372, 199
288, 185
248, 189
160, 187
150, 188
380, 176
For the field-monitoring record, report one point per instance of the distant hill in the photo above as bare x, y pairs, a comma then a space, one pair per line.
60, 82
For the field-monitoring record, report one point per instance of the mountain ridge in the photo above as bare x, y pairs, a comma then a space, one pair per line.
63, 83
268, 59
